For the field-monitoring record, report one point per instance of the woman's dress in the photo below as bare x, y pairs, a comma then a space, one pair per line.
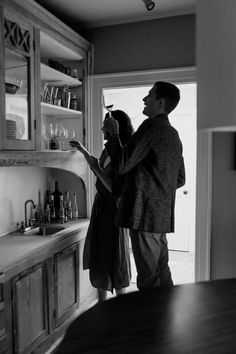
106, 250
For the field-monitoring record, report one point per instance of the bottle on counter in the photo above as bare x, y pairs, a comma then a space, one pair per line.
52, 209
75, 213
47, 214
68, 206
61, 211
48, 194
39, 211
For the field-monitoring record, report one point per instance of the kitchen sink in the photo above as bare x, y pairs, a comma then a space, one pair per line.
43, 231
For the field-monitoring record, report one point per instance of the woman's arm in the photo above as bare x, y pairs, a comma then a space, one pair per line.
93, 164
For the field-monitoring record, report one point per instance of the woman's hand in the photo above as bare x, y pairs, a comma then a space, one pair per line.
76, 144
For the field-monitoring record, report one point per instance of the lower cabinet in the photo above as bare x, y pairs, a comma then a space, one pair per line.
30, 308
37, 304
66, 283
5, 317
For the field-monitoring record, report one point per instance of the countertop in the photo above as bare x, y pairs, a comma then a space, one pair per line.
15, 247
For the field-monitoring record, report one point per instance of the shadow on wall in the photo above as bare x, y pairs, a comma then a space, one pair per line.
68, 181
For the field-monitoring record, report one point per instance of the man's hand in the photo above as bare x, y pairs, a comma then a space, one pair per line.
111, 125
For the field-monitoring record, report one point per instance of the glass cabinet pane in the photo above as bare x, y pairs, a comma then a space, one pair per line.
16, 95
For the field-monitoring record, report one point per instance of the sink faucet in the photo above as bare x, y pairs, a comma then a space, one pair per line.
34, 206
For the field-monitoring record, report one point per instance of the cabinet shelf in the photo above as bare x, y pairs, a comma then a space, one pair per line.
58, 111
57, 78
71, 160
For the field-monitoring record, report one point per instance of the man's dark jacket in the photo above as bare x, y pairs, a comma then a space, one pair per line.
153, 166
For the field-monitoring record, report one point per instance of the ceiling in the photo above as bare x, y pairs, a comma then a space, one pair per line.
98, 13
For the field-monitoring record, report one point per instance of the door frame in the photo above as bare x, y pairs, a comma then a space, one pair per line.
96, 85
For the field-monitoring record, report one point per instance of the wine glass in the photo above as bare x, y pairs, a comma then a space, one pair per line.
70, 136
107, 105
47, 134
61, 135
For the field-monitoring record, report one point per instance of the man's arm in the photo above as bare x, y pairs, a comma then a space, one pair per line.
125, 158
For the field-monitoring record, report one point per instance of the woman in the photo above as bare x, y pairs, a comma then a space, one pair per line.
106, 250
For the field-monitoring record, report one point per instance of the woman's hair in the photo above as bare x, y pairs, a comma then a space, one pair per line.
125, 126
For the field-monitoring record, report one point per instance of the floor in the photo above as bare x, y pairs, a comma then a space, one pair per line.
181, 266
182, 269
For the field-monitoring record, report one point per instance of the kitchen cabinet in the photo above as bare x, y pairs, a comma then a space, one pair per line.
17, 127
30, 308
5, 317
66, 283
60, 117
40, 55
42, 291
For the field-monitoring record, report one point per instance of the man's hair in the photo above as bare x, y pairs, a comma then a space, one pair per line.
169, 92
125, 126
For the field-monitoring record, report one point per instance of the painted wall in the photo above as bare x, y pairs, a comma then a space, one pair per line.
162, 43
17, 184
216, 64
223, 240
216, 109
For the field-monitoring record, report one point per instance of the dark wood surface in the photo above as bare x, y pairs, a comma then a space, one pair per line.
191, 318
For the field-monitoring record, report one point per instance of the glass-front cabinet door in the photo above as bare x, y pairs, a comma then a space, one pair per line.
18, 130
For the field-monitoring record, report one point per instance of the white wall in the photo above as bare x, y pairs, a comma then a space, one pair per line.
223, 226
17, 184
216, 109
216, 53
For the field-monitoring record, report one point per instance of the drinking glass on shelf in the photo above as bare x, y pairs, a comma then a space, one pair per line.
70, 135
46, 135
61, 135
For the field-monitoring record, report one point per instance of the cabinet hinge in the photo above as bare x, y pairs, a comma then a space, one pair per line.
54, 313
35, 124
84, 132
34, 45
53, 268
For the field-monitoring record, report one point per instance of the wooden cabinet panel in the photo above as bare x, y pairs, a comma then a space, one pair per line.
85, 284
3, 337
5, 318
18, 131
66, 283
30, 308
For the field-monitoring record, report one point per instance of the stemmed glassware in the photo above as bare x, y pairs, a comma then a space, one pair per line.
61, 135
58, 133
107, 105
70, 136
47, 133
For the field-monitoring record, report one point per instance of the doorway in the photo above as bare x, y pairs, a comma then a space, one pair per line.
183, 118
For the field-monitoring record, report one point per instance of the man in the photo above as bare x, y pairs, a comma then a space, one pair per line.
153, 166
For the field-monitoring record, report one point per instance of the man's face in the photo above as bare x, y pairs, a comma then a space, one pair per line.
151, 104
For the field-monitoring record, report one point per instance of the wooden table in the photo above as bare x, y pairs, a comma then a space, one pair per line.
192, 318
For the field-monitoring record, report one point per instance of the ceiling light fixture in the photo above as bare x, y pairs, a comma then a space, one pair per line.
149, 4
